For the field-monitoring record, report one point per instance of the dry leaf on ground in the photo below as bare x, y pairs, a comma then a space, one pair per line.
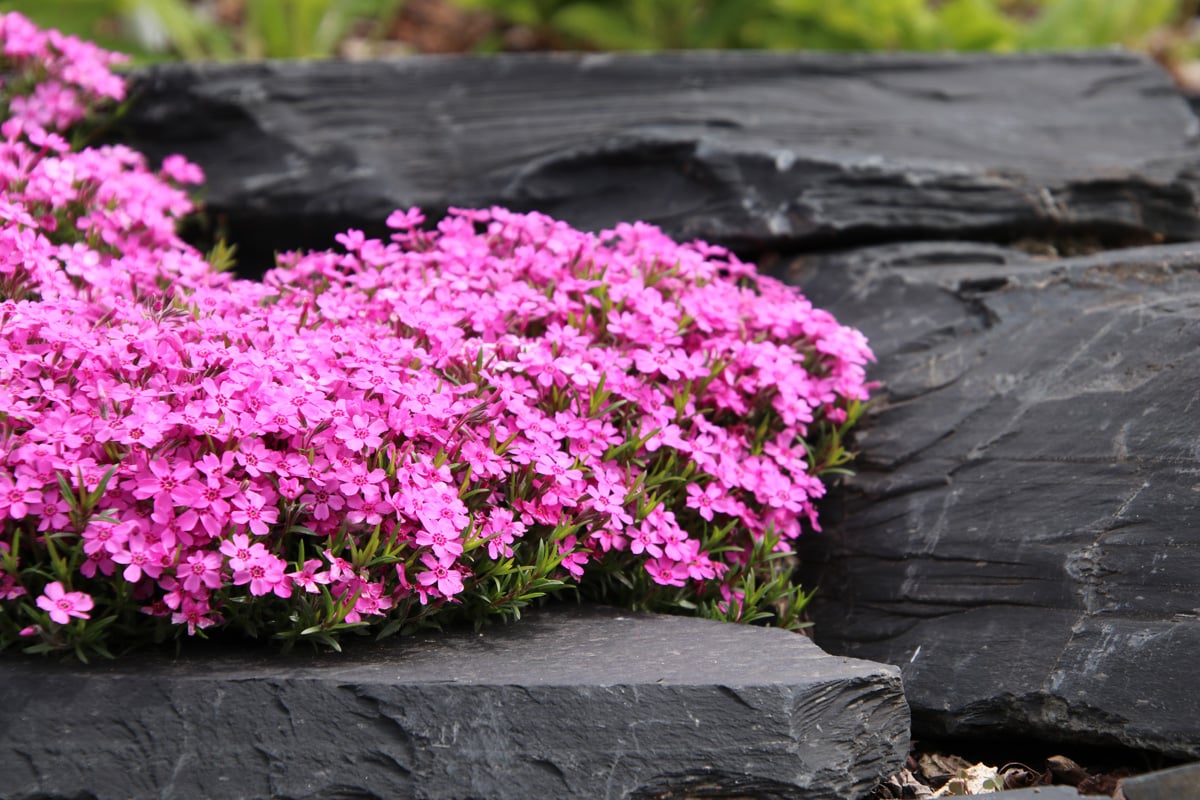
976, 779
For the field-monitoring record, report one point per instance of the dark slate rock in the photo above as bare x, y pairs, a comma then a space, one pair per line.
568, 703
1048, 793
759, 150
1022, 536
1181, 783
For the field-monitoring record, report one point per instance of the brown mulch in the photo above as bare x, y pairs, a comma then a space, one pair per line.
932, 773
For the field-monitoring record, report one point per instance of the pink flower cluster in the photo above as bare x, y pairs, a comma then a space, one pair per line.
379, 431
52, 80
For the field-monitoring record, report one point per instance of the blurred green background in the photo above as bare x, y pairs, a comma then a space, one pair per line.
250, 29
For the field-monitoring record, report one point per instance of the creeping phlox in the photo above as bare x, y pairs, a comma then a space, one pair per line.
449, 424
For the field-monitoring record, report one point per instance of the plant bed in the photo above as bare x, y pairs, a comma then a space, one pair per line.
1018, 544
399, 435
447, 424
972, 215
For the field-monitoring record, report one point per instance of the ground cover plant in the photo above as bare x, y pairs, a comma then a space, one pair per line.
444, 426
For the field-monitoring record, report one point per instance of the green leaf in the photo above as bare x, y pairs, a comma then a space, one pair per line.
189, 33
602, 26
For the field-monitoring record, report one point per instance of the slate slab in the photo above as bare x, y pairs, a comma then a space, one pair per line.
759, 150
1047, 793
569, 703
1022, 537
1180, 783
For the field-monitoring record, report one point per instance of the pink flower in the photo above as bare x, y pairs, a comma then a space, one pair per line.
666, 572
441, 573
439, 509
369, 511
500, 531
63, 605
256, 458
195, 613
371, 600
168, 485
703, 499
657, 359
251, 510
10, 589
573, 560
55, 514
357, 478
241, 553
644, 540
139, 556
406, 220
558, 465
339, 568
16, 497
309, 578
360, 432
180, 170
440, 543
352, 240
202, 570
102, 535
323, 501
265, 574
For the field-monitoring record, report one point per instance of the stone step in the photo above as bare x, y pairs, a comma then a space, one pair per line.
570, 702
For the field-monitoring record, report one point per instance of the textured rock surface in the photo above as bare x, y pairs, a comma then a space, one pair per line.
1048, 793
587, 703
1170, 784
765, 150
1022, 537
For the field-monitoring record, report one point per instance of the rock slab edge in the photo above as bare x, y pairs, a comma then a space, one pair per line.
566, 703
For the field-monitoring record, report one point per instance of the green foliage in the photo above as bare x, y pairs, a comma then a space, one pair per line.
306, 28
180, 28
992, 25
669, 24
1088, 23
315, 28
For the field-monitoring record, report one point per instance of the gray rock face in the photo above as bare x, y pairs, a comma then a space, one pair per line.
1022, 536
1049, 793
569, 703
759, 150
1170, 784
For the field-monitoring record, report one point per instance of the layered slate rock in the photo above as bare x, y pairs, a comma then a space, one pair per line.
1022, 535
764, 151
1170, 784
569, 703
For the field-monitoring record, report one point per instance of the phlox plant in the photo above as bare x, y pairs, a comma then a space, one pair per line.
385, 435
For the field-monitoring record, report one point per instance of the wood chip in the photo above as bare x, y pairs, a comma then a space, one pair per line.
1066, 771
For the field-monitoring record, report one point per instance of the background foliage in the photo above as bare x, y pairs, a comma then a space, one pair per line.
251, 29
